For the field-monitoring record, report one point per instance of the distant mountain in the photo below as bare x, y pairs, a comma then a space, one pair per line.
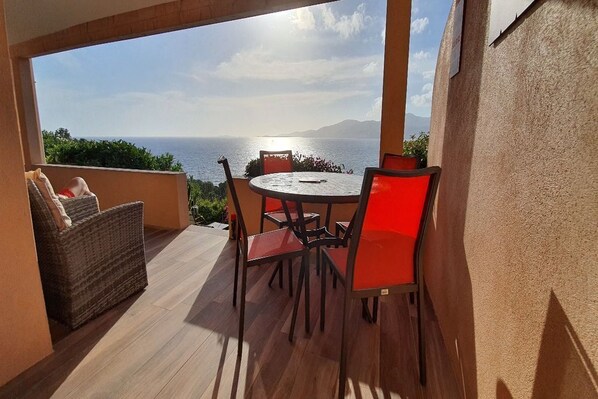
363, 129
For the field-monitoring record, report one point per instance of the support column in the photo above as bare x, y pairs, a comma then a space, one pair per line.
396, 61
24, 331
31, 136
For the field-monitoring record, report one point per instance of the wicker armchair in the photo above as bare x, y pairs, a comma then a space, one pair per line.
91, 266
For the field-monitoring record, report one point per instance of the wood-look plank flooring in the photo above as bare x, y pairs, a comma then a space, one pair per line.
177, 339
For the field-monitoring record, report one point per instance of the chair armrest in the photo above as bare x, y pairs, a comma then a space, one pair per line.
103, 237
102, 263
79, 208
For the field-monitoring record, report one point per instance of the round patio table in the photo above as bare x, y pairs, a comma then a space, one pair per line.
311, 187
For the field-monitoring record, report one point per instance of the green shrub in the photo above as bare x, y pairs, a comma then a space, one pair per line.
301, 163
61, 148
418, 146
207, 201
206, 211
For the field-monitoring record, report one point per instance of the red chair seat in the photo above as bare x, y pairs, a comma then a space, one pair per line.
338, 258
386, 267
272, 243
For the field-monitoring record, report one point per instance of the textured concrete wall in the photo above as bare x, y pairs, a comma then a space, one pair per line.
512, 260
24, 333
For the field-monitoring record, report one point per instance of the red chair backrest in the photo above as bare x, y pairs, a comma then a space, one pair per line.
389, 226
276, 162
399, 162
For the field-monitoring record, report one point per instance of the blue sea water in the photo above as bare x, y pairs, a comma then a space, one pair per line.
199, 154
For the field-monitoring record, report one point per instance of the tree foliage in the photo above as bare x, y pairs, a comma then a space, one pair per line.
301, 163
61, 148
418, 146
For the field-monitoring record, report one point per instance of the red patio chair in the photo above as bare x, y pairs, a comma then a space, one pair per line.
279, 162
389, 161
272, 210
384, 253
273, 246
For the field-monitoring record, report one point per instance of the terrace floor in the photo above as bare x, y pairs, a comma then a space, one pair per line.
177, 339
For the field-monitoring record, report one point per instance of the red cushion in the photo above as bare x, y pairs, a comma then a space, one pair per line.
390, 227
275, 205
371, 248
338, 256
384, 258
398, 162
277, 163
272, 243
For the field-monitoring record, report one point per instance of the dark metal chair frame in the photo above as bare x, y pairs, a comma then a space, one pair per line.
280, 223
242, 247
416, 287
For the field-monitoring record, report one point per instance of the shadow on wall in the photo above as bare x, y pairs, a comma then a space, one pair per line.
564, 369
455, 121
502, 392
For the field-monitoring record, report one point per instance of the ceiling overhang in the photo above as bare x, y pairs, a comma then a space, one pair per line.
80, 23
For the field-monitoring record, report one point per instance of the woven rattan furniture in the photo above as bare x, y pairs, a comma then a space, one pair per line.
92, 265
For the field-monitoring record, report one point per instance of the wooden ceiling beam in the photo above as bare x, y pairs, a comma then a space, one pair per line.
166, 17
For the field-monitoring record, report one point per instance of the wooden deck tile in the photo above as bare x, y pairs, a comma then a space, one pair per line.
179, 338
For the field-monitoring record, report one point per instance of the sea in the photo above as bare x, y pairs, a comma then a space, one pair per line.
199, 155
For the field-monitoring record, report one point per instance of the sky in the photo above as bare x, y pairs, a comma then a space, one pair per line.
278, 73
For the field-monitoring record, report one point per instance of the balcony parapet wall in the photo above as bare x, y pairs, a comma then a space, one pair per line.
163, 193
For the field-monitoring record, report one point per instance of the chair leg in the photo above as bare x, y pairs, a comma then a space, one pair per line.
318, 252
297, 297
365, 309
375, 310
280, 274
334, 280
274, 273
290, 277
323, 296
235, 284
420, 333
411, 298
342, 379
307, 326
262, 223
242, 311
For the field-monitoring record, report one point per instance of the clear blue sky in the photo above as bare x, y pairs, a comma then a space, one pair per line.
279, 73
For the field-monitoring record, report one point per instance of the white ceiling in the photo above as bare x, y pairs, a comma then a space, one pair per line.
28, 19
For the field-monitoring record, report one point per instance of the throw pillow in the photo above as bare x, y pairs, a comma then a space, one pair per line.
61, 219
